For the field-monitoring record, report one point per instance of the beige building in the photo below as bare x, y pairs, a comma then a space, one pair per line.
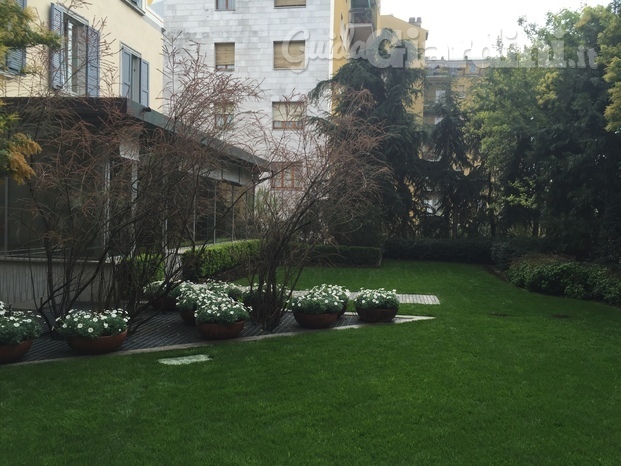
110, 48
458, 75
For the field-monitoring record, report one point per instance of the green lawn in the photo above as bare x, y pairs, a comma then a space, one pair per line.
465, 388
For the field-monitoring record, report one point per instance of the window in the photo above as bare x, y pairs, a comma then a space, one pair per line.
134, 76
289, 55
16, 58
74, 67
225, 56
288, 115
287, 175
440, 95
225, 4
224, 113
287, 3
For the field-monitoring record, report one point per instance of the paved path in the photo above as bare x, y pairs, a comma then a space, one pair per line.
403, 298
166, 331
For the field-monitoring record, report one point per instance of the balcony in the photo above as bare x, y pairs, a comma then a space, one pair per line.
363, 19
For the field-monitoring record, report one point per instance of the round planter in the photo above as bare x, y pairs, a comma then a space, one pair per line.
99, 345
12, 353
165, 304
376, 315
220, 331
188, 317
315, 320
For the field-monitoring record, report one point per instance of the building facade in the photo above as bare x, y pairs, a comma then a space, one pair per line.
95, 106
110, 48
288, 46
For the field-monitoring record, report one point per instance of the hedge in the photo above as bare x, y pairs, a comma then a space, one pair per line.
346, 256
467, 250
207, 262
562, 277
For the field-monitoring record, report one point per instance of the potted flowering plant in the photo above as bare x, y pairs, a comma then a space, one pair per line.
218, 316
17, 330
93, 331
337, 291
377, 305
319, 307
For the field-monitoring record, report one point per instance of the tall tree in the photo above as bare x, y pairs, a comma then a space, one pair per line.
542, 131
453, 178
393, 90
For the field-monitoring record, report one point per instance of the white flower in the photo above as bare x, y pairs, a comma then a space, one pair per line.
80, 325
90, 330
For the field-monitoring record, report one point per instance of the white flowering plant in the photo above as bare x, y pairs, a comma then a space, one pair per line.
323, 299
230, 289
216, 307
17, 326
377, 299
92, 324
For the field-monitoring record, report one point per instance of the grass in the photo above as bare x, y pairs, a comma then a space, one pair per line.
468, 387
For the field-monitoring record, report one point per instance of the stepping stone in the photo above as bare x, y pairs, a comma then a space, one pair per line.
184, 360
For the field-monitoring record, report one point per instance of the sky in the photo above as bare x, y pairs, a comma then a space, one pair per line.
458, 28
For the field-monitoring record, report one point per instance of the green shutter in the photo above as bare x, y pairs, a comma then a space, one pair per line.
56, 55
144, 83
92, 63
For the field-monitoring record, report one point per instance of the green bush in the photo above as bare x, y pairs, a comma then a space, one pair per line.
135, 273
505, 251
467, 250
346, 256
207, 262
560, 276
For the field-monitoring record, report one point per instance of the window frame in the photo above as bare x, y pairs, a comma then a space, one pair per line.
81, 78
133, 85
225, 66
287, 124
279, 47
288, 176
230, 5
224, 114
286, 5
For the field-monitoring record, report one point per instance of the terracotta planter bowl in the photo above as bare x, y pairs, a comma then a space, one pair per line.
315, 320
100, 345
376, 315
12, 353
220, 331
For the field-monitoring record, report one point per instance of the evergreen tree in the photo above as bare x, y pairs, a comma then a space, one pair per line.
391, 92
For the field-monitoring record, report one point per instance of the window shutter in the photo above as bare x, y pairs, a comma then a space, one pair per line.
126, 73
92, 63
57, 78
285, 3
16, 58
225, 54
289, 55
144, 83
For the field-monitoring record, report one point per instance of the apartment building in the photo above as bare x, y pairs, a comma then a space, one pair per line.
458, 75
286, 45
110, 48
105, 79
